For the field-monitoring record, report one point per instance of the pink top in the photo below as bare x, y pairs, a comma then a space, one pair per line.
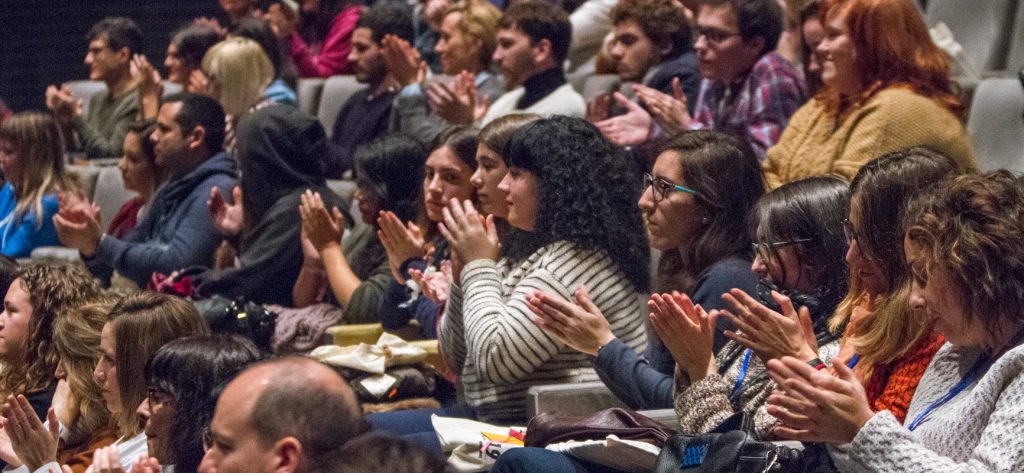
332, 57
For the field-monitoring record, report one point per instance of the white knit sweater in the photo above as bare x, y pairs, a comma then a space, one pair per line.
980, 430
489, 332
562, 101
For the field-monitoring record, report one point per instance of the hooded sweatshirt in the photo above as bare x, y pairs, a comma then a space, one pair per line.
177, 232
281, 153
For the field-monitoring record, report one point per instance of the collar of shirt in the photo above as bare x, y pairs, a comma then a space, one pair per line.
540, 85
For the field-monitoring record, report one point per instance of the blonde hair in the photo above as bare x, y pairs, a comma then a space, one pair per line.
76, 337
37, 140
242, 70
480, 22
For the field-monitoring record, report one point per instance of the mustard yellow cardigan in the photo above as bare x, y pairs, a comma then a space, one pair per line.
895, 118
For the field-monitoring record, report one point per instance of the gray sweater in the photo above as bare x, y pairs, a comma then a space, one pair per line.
979, 430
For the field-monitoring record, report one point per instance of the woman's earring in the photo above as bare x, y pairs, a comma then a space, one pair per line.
705, 220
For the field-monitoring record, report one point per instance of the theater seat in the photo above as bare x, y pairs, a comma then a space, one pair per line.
982, 28
309, 91
336, 91
996, 124
85, 89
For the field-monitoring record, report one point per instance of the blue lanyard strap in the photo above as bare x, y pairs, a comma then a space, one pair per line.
979, 367
739, 379
853, 361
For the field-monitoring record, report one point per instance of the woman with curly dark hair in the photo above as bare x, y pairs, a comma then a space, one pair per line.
184, 376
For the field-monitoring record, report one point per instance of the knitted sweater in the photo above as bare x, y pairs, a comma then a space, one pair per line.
563, 101
978, 430
489, 332
704, 405
894, 119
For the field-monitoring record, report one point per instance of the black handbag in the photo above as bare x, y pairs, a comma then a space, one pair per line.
239, 317
729, 448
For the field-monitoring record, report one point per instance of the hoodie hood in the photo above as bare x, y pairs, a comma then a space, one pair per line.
280, 151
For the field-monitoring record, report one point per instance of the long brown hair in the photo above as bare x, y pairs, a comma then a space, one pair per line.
37, 140
893, 49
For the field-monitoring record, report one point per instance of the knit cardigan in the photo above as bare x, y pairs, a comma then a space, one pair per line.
894, 119
979, 430
489, 332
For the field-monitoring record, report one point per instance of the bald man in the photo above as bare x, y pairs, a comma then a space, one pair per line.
286, 415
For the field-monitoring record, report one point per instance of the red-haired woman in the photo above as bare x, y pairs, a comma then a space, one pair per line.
887, 88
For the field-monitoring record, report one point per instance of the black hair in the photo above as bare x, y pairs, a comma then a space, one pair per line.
541, 20
662, 21
756, 18
314, 26
387, 18
193, 41
726, 175
201, 110
144, 129
391, 167
462, 140
383, 454
810, 209
189, 369
587, 192
121, 32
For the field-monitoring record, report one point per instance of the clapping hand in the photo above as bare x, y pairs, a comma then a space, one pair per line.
281, 20
767, 333
400, 242
147, 77
471, 235
581, 326
629, 129
669, 110
33, 443
78, 223
458, 103
687, 331
403, 61
323, 230
63, 103
815, 406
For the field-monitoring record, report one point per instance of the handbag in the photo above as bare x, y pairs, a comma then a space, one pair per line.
729, 448
550, 427
239, 317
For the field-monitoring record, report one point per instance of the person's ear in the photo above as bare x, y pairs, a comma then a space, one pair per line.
124, 56
287, 455
663, 49
196, 137
756, 45
542, 51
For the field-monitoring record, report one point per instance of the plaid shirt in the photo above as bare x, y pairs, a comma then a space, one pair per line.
757, 109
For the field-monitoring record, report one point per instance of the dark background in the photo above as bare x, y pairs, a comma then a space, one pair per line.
43, 42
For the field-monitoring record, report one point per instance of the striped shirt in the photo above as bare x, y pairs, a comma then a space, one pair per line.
489, 333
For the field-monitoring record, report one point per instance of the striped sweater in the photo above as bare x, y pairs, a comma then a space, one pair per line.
488, 332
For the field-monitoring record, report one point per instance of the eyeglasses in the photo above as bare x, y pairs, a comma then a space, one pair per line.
157, 397
714, 35
661, 186
765, 250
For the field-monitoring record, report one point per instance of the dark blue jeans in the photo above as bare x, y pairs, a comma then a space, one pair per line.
414, 425
530, 460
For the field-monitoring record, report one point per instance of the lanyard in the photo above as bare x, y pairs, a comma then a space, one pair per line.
979, 367
739, 379
853, 361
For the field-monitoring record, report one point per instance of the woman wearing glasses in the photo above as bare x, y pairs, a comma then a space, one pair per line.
886, 88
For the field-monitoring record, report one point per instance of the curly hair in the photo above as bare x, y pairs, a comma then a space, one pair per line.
76, 337
51, 289
725, 172
971, 230
141, 323
880, 192
587, 192
190, 369
893, 49
662, 21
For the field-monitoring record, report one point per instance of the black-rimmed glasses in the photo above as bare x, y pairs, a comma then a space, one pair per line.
661, 186
766, 250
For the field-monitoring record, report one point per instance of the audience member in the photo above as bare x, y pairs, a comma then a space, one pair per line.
177, 230
653, 46
591, 27
447, 175
365, 115
139, 325
571, 191
812, 33
238, 9
140, 174
262, 223
965, 246
887, 87
356, 269
748, 89
238, 73
113, 41
374, 452
427, 17
287, 415
424, 107
282, 89
182, 382
533, 41
77, 402
32, 160
319, 40
184, 58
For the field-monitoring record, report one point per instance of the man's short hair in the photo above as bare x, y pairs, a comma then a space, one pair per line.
663, 21
756, 18
385, 19
201, 110
121, 32
539, 20
320, 418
